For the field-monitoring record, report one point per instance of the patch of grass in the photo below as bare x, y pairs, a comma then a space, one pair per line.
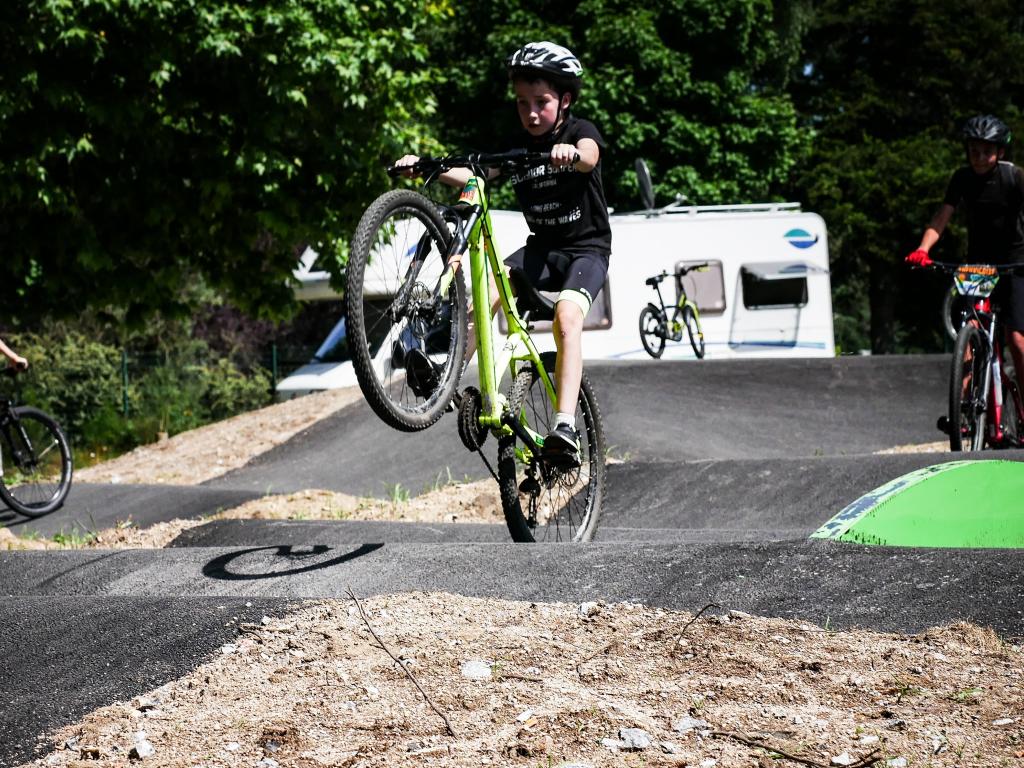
397, 494
74, 539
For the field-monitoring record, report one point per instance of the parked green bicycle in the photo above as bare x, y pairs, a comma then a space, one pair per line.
407, 319
657, 327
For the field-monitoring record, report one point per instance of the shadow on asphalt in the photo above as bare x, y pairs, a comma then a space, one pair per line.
292, 561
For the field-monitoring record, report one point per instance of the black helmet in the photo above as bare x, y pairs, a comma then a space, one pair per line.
987, 128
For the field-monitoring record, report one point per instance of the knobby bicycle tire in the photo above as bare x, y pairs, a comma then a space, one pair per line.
695, 332
37, 473
653, 329
397, 254
966, 394
567, 504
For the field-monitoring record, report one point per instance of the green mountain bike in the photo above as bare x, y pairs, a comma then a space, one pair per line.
407, 316
656, 324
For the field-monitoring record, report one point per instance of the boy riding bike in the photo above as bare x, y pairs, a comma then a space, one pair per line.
991, 191
564, 206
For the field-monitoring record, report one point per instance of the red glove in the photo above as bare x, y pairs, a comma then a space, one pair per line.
919, 258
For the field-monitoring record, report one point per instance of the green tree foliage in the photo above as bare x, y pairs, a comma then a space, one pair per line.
696, 87
145, 144
886, 86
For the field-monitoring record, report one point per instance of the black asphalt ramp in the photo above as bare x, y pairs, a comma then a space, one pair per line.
653, 411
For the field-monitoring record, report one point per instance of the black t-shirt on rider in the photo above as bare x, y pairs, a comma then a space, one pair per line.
565, 209
994, 205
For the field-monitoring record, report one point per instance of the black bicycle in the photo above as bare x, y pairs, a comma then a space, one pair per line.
656, 326
35, 459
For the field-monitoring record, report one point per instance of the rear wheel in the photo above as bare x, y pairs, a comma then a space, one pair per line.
36, 463
407, 349
1012, 413
542, 502
694, 330
967, 399
653, 329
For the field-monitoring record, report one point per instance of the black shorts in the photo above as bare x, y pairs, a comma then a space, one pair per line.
556, 271
1009, 298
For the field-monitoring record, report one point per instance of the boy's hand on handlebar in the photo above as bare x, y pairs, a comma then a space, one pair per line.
406, 163
919, 258
563, 155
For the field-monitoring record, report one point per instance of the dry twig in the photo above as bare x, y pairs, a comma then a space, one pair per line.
869, 759
410, 675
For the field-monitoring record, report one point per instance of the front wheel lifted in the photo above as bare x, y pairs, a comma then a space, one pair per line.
542, 502
407, 344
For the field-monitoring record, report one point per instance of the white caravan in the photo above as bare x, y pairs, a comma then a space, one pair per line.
766, 292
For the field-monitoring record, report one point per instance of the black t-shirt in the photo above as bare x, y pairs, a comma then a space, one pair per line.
565, 208
994, 204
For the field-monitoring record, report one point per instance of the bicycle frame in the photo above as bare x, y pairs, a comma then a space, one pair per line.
475, 230
995, 374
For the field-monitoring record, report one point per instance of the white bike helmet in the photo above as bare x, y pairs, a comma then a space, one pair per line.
547, 59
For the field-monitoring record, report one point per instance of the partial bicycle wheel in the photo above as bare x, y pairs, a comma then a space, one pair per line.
407, 347
956, 309
966, 391
541, 502
694, 330
37, 463
653, 329
1013, 414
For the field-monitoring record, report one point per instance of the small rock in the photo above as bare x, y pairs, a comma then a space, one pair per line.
634, 739
476, 670
708, 763
898, 762
781, 639
589, 609
574, 765
141, 750
1003, 721
232, 746
613, 745
524, 716
687, 724
868, 739
268, 762
71, 743
228, 648
668, 747
739, 615
843, 759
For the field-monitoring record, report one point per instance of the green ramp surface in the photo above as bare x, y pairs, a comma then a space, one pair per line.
972, 504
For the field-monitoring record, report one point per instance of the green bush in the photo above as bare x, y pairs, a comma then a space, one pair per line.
72, 377
79, 381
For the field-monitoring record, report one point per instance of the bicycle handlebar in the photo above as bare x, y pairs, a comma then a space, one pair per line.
516, 158
952, 266
681, 272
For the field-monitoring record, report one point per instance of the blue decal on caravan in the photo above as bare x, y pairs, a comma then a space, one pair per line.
799, 238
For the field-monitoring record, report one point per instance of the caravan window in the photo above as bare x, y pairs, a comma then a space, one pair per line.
335, 348
774, 285
706, 289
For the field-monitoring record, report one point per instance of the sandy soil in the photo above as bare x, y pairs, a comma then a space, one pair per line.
455, 681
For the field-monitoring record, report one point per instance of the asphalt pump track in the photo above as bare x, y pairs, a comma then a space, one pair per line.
723, 471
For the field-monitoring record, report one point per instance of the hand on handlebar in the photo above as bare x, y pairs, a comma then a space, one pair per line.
563, 155
404, 166
919, 258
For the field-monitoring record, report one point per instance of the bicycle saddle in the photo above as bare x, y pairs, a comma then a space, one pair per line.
653, 281
529, 299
